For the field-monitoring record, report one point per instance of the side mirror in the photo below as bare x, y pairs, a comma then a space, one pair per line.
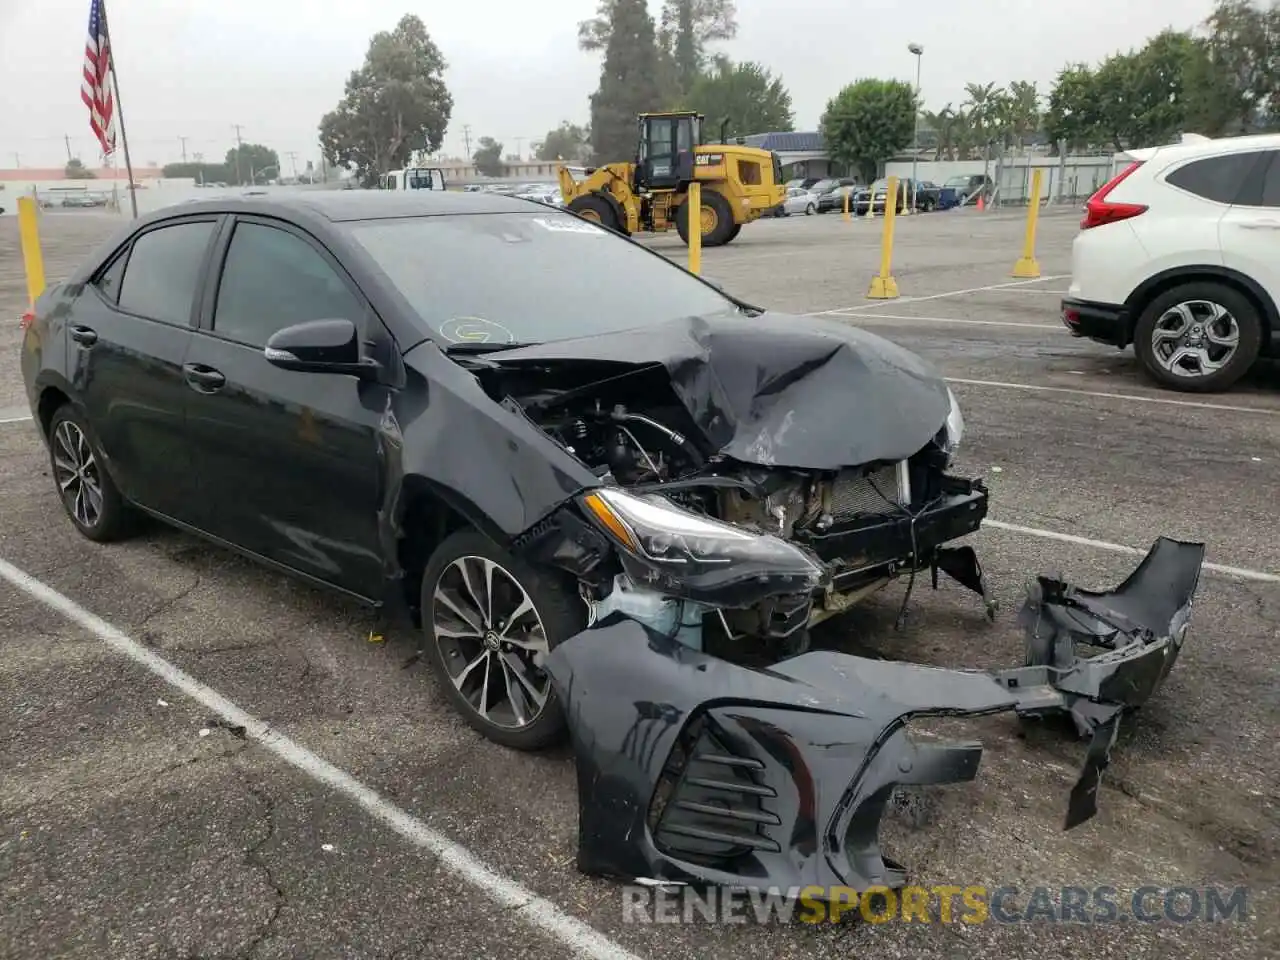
320, 346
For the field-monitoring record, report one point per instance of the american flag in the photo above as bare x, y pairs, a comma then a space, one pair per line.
95, 88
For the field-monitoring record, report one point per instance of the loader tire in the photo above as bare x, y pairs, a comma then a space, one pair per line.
597, 210
718, 235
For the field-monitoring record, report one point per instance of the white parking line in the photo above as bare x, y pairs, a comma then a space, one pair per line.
1055, 293
542, 913
16, 419
1116, 396
935, 296
1241, 572
984, 323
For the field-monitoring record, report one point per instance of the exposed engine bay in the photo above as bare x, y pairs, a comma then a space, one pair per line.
849, 531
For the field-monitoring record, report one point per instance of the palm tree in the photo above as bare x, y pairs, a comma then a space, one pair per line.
1024, 110
946, 124
980, 104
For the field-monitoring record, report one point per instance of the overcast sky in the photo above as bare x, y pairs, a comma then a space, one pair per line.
193, 70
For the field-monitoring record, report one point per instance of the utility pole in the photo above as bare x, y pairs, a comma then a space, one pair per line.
519, 142
183, 141
239, 147
293, 162
17, 160
466, 138
67, 140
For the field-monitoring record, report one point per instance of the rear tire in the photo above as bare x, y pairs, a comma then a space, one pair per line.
809, 210
597, 210
1198, 337
554, 614
723, 231
88, 494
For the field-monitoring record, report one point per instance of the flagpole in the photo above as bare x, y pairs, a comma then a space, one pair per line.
115, 83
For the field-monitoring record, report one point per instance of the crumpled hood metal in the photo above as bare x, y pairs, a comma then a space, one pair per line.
780, 390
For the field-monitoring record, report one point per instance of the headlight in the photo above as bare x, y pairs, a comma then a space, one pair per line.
953, 429
668, 548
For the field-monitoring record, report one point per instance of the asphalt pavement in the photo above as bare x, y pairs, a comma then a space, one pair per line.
345, 811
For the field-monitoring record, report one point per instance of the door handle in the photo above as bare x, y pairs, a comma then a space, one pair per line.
86, 336
202, 378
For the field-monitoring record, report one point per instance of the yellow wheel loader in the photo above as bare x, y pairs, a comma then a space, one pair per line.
738, 183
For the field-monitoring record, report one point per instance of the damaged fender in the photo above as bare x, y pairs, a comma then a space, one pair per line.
706, 771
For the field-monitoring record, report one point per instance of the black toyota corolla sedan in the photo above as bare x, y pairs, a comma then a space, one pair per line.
498, 419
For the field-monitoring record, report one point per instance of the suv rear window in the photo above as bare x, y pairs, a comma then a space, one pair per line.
1219, 179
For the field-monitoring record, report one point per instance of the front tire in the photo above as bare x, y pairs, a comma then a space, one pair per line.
809, 210
88, 494
490, 619
1198, 337
721, 231
597, 210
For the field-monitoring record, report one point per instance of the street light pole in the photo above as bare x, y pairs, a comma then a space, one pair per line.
918, 52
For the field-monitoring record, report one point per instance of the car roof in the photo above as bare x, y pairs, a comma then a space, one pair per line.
1205, 147
345, 205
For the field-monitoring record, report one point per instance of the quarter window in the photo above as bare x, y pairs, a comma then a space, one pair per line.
1219, 179
273, 279
1271, 185
163, 271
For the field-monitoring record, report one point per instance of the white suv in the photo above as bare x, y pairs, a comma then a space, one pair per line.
1179, 255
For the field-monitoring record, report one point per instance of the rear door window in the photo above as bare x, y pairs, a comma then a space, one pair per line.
163, 271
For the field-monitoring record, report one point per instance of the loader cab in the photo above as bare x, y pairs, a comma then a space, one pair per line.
667, 141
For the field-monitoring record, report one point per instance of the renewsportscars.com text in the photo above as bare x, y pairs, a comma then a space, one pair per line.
939, 904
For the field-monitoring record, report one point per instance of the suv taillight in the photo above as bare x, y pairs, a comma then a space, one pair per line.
26, 320
1099, 210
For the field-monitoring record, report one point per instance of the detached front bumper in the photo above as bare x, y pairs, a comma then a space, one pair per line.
696, 769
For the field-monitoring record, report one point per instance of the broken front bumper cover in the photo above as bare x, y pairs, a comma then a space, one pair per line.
695, 769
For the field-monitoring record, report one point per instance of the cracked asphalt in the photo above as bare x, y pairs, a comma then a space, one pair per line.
134, 825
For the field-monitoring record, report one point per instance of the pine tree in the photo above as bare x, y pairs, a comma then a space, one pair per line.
629, 82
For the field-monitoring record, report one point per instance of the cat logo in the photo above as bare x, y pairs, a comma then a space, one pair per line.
709, 159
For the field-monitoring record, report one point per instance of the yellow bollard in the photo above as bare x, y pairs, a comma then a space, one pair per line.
871, 202
883, 286
1027, 267
847, 218
32, 259
694, 203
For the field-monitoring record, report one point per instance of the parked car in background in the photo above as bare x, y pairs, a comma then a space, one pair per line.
927, 195
1178, 255
799, 200
964, 189
804, 183
824, 187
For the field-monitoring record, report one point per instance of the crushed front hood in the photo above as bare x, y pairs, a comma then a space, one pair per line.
779, 390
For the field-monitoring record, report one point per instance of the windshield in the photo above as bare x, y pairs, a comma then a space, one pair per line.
822, 186
960, 181
528, 277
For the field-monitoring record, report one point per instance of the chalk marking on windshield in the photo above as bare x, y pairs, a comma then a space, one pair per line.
475, 330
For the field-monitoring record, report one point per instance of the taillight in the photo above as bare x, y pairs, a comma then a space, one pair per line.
26, 320
1098, 210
